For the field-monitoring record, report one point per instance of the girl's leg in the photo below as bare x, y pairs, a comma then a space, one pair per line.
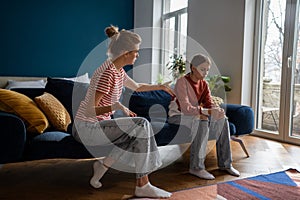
198, 146
198, 150
200, 133
223, 147
221, 131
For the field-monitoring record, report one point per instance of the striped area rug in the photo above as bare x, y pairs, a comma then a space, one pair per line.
279, 185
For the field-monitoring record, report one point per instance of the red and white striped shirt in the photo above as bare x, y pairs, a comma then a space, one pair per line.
107, 80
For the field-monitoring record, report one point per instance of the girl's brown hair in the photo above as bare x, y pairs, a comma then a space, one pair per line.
199, 59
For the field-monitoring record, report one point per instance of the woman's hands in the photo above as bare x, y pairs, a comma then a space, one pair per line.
166, 87
119, 106
144, 87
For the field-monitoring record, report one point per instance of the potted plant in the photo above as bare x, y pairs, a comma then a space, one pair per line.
218, 84
177, 66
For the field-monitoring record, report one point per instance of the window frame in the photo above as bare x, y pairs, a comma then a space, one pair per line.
177, 14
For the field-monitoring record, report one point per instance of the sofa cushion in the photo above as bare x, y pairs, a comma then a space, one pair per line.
56, 144
25, 84
25, 108
51, 136
84, 78
55, 112
168, 134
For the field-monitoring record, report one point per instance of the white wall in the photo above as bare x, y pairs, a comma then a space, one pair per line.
146, 22
219, 27
141, 72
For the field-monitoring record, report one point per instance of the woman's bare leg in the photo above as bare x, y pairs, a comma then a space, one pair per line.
142, 181
99, 169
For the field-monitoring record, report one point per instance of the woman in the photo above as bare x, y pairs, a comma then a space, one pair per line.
193, 108
132, 136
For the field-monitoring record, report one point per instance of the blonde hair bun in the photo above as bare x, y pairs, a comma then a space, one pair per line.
111, 31
121, 42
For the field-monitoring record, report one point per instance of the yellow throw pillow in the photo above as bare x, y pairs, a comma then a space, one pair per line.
24, 107
56, 113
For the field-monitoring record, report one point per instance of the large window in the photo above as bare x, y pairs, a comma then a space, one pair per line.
174, 34
278, 85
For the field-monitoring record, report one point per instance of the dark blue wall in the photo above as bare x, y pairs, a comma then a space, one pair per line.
53, 37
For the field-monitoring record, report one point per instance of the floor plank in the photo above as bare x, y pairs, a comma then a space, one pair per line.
69, 179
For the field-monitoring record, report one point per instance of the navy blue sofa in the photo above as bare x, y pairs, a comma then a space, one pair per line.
18, 145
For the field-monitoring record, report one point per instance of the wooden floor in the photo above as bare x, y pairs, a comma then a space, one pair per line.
69, 179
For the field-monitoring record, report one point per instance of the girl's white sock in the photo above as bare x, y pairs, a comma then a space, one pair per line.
202, 174
151, 191
99, 171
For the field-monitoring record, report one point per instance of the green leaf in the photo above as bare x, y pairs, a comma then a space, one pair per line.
226, 79
217, 83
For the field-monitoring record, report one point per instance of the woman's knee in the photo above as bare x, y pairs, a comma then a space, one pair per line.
144, 129
141, 121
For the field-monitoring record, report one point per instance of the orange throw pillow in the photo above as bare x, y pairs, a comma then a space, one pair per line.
24, 107
56, 113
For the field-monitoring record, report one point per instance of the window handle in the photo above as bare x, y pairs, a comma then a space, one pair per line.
289, 61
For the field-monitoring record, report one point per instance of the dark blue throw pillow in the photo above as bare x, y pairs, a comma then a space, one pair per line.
63, 90
30, 92
151, 104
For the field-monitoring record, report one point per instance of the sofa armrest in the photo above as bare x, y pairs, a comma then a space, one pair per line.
241, 116
13, 137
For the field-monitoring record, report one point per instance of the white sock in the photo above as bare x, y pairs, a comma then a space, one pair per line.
99, 171
202, 173
151, 191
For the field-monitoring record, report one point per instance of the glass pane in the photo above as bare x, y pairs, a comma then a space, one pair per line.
272, 27
169, 45
183, 35
173, 5
296, 103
